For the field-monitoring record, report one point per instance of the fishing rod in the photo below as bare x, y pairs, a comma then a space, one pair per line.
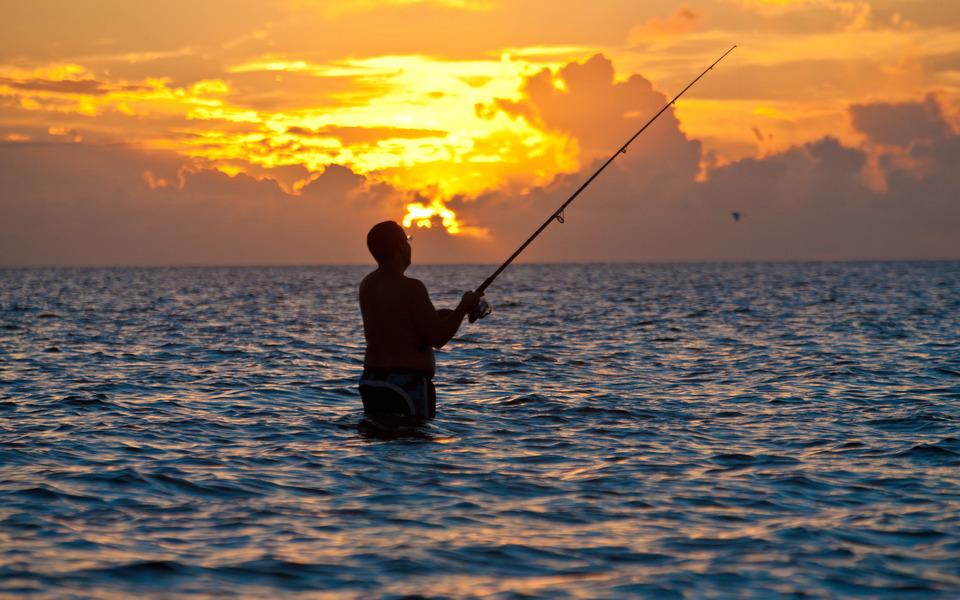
484, 309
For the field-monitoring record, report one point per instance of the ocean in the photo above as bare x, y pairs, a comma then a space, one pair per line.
610, 431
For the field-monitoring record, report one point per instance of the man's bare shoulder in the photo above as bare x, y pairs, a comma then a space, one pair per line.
413, 288
395, 282
367, 281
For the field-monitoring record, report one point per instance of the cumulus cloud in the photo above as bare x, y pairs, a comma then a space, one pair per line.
584, 101
683, 22
901, 124
813, 201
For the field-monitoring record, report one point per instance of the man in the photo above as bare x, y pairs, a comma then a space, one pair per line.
402, 328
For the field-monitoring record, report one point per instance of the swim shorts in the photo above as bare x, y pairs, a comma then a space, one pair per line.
398, 392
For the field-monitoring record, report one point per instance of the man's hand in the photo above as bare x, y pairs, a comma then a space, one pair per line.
470, 300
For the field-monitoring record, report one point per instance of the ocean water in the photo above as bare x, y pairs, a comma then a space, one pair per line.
609, 431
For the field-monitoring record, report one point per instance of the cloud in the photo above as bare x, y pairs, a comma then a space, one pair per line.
98, 204
73, 204
90, 87
854, 15
349, 136
683, 22
585, 102
901, 124
810, 201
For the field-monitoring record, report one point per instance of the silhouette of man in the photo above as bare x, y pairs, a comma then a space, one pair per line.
402, 328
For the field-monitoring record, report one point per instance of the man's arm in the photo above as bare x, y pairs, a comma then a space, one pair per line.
438, 327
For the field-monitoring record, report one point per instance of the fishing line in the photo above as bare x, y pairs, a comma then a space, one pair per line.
743, 129
484, 309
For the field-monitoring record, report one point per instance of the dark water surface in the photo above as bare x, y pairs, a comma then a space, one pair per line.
610, 431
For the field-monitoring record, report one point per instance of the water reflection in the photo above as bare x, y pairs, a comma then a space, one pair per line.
394, 427
747, 431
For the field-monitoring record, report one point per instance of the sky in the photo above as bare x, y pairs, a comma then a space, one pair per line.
277, 132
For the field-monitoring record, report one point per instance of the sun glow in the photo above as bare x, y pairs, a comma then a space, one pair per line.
425, 215
422, 216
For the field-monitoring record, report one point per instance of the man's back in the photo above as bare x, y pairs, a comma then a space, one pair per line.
397, 313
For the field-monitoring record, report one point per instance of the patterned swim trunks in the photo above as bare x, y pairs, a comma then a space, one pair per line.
398, 392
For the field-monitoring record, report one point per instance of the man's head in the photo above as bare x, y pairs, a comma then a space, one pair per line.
387, 240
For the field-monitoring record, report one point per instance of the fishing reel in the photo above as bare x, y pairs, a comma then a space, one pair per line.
482, 310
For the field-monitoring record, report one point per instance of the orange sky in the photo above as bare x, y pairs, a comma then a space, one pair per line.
278, 132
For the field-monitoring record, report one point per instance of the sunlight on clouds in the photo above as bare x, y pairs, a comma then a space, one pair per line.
422, 215
407, 120
683, 22
413, 124
417, 92
560, 54
226, 114
71, 89
422, 130
877, 64
294, 66
154, 182
862, 45
57, 72
721, 124
856, 13
66, 132
410, 121
508, 160
772, 113
443, 112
